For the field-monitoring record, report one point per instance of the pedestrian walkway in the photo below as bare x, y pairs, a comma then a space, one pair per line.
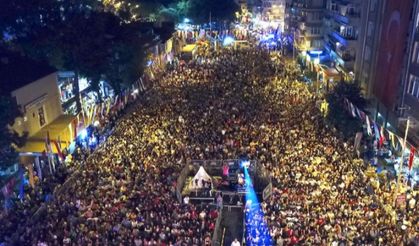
232, 224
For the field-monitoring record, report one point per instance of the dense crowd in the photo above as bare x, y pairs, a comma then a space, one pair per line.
222, 105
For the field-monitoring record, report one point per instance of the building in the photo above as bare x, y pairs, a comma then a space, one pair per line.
306, 22
372, 18
409, 101
35, 88
343, 34
274, 11
387, 64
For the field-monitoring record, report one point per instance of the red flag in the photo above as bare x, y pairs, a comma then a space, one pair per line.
60, 154
411, 157
382, 137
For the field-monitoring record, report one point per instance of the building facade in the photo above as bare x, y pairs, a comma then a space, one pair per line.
40, 104
274, 11
305, 21
410, 86
343, 34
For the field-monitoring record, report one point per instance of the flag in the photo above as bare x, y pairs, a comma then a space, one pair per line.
376, 131
358, 138
60, 154
102, 112
382, 137
352, 109
368, 125
108, 108
93, 113
126, 99
391, 137
347, 104
358, 113
363, 115
400, 141
411, 157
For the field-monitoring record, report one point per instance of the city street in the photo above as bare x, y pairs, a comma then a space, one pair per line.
231, 106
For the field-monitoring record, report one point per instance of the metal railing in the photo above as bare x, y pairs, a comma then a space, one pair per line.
217, 231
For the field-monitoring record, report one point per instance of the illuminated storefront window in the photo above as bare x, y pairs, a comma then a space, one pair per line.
66, 86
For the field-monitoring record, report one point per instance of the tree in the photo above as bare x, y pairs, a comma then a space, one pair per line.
220, 10
338, 114
9, 139
96, 40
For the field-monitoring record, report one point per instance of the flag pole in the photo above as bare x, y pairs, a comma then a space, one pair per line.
401, 161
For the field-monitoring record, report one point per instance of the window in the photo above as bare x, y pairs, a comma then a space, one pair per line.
41, 116
415, 58
370, 28
315, 31
373, 4
414, 87
367, 53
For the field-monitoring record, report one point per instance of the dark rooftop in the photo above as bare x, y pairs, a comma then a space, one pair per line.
17, 71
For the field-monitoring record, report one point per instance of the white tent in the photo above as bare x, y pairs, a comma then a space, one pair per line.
199, 176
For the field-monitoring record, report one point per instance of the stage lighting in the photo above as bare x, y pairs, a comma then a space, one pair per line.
228, 41
245, 164
83, 134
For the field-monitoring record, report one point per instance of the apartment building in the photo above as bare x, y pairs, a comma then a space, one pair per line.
343, 34
305, 21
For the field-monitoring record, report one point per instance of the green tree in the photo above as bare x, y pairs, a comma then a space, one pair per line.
9, 139
338, 114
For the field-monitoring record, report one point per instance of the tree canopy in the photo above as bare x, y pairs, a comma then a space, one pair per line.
220, 10
338, 114
98, 40
9, 138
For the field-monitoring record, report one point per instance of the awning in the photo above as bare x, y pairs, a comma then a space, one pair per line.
59, 129
188, 48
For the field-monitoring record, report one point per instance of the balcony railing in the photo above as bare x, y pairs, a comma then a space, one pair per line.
345, 36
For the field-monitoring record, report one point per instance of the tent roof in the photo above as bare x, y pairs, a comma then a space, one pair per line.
202, 174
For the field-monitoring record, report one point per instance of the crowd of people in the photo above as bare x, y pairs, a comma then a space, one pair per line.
226, 104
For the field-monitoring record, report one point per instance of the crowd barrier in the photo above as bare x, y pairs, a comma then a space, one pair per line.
181, 181
216, 237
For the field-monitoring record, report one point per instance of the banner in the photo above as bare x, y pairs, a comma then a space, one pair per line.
391, 50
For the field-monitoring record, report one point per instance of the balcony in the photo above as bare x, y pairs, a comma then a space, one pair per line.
345, 17
344, 36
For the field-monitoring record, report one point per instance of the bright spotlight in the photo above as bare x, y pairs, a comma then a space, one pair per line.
245, 164
228, 41
96, 123
83, 134
186, 20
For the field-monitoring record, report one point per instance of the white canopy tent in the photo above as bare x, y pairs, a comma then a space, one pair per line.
196, 182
